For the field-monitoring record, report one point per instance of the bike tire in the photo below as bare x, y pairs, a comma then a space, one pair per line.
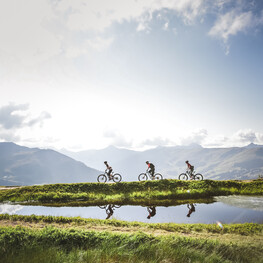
102, 178
117, 178
199, 177
143, 177
183, 177
158, 176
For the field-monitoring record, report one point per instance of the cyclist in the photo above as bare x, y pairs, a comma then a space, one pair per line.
151, 168
108, 170
152, 211
190, 168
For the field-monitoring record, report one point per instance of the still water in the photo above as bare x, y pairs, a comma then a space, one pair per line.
225, 209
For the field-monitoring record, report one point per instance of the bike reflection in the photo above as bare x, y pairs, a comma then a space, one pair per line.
152, 211
191, 208
109, 209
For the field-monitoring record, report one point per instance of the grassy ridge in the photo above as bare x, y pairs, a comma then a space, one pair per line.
131, 192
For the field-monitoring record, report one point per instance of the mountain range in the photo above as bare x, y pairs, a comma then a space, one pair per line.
21, 165
27, 166
214, 163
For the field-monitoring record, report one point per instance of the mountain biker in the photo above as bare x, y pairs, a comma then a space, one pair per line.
190, 168
151, 168
108, 170
152, 211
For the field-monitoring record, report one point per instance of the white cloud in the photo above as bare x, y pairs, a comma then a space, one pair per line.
197, 137
14, 118
157, 141
233, 22
117, 139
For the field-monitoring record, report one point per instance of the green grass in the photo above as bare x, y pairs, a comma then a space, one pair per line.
240, 229
131, 192
73, 245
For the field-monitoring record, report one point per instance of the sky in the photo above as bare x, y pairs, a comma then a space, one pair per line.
134, 74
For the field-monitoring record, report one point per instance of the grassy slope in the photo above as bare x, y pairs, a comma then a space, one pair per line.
131, 192
120, 241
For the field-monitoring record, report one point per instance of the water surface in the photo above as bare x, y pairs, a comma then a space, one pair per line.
225, 209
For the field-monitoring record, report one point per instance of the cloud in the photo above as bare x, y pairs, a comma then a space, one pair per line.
117, 139
197, 137
157, 141
9, 117
233, 22
40, 119
15, 117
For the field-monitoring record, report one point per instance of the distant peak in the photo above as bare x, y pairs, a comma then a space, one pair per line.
253, 145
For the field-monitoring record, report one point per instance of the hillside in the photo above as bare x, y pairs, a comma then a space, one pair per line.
27, 166
213, 163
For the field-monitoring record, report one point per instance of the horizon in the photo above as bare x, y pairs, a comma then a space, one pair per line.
189, 146
141, 74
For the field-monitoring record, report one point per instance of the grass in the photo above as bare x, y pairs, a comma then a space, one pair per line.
24, 244
131, 192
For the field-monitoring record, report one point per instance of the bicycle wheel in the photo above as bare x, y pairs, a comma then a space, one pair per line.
117, 178
198, 177
143, 177
158, 177
102, 178
183, 176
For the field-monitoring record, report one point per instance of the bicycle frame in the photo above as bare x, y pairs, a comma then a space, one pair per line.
148, 174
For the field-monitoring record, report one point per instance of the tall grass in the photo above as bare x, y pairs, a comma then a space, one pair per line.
89, 246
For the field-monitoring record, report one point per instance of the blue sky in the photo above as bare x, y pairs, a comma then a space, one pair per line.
136, 74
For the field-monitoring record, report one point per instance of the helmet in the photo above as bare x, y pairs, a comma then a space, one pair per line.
147, 162
105, 162
187, 161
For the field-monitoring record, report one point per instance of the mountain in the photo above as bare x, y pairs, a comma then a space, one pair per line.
27, 166
213, 163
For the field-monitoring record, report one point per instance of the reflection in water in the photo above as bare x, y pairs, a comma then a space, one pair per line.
152, 211
191, 208
109, 209
208, 213
249, 202
10, 209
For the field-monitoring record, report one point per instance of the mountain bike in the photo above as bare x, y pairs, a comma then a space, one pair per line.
102, 178
192, 176
145, 176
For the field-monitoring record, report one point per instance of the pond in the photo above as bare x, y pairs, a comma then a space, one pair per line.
224, 209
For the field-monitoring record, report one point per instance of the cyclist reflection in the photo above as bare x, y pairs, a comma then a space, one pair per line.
191, 208
152, 211
109, 209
